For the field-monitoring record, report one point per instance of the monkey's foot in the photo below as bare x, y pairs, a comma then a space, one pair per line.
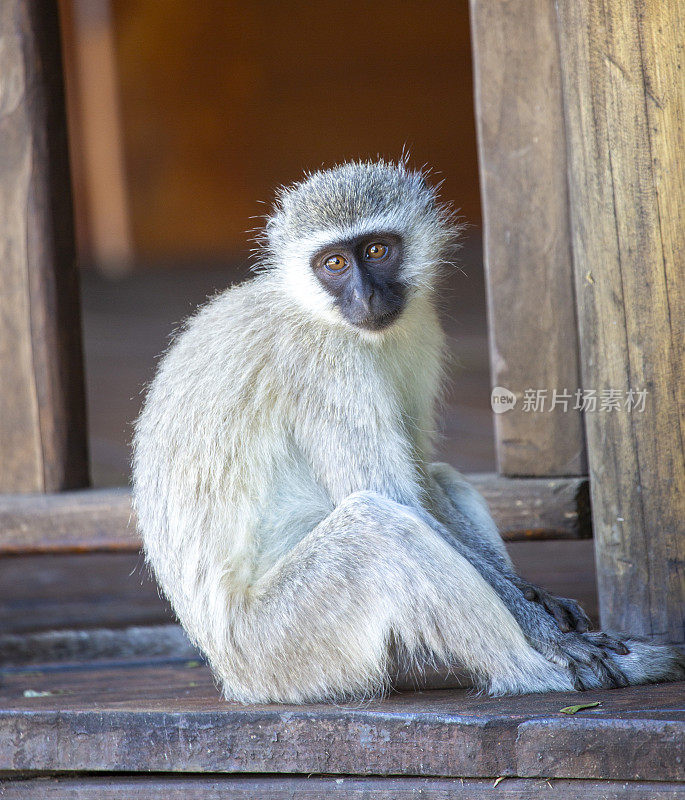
590, 659
568, 615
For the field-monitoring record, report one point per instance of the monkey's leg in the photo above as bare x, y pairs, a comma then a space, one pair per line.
595, 659
320, 624
464, 512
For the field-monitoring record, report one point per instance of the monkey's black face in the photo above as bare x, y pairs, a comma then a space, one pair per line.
363, 277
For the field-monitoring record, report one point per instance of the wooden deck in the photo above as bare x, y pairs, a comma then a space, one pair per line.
101, 710
110, 719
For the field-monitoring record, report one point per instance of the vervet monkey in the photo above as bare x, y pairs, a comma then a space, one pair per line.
283, 481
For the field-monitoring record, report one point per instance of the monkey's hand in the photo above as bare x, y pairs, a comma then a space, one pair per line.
568, 615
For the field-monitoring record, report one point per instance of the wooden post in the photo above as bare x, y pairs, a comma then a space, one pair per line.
103, 227
623, 68
529, 271
42, 409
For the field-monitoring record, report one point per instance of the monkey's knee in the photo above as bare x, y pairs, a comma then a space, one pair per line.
360, 500
367, 507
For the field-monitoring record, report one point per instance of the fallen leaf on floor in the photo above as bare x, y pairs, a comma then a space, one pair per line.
498, 781
579, 707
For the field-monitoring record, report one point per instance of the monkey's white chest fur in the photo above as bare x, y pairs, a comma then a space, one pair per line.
257, 425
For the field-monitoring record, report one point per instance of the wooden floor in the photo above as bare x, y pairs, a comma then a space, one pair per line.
89, 725
314, 787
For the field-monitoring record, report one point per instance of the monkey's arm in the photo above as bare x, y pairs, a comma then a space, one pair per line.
455, 511
464, 513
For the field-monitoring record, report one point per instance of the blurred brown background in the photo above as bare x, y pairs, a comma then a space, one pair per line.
184, 118
206, 107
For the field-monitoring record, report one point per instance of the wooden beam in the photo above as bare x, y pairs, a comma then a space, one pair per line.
529, 270
68, 522
102, 519
527, 509
623, 65
169, 717
303, 787
103, 224
42, 408
132, 643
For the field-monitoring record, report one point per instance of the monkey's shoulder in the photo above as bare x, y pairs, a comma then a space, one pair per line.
242, 349
229, 325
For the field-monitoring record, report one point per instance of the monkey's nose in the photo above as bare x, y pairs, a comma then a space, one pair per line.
363, 299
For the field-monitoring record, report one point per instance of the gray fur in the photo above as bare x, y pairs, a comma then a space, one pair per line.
351, 193
285, 495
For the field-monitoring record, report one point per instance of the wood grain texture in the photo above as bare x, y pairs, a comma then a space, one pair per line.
170, 718
114, 644
287, 787
537, 508
85, 591
623, 72
42, 411
531, 307
101, 519
82, 521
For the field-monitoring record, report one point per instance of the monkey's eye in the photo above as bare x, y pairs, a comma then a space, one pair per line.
376, 251
335, 264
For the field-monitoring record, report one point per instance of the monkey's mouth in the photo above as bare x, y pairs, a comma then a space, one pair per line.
378, 322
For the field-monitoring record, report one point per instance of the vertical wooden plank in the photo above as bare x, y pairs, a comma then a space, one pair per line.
103, 226
531, 304
623, 73
42, 417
